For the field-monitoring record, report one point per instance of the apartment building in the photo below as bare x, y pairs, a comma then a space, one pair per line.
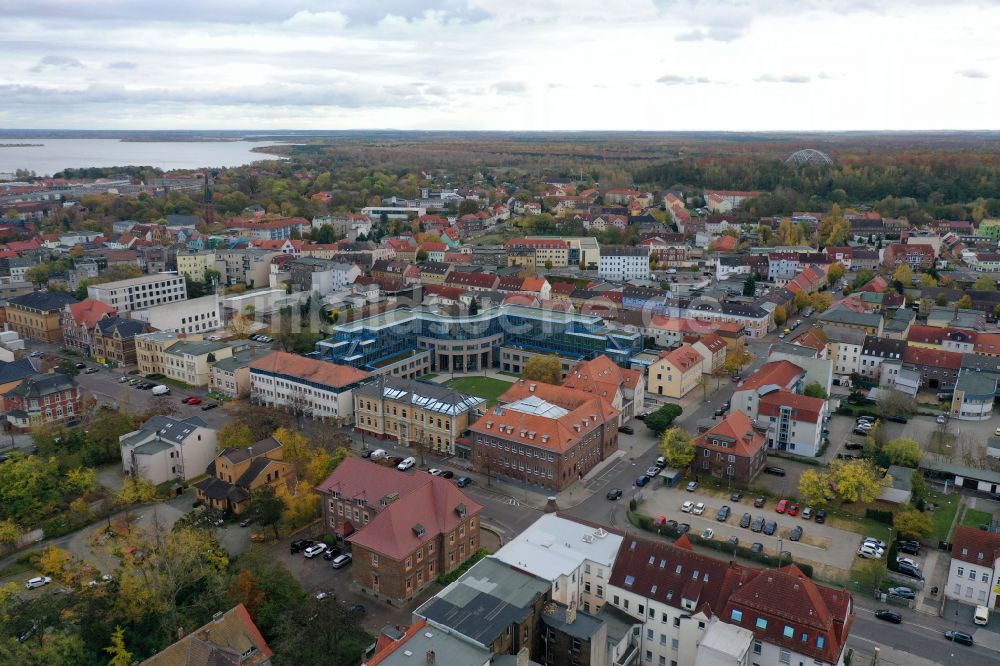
113, 340
624, 388
732, 450
42, 400
238, 471
549, 252
165, 448
793, 422
315, 388
875, 351
79, 321
37, 316
974, 571
542, 434
405, 530
150, 348
247, 266
194, 263
231, 376
624, 263
782, 374
140, 293
191, 361
198, 315
414, 413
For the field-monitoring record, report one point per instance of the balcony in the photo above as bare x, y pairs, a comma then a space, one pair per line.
630, 657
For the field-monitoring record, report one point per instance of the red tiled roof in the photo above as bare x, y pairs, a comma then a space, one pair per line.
683, 358
564, 288
746, 441
90, 311
520, 299
308, 369
932, 335
975, 546
804, 407
484, 280
713, 342
602, 376
933, 358
780, 373
433, 504
532, 283
725, 243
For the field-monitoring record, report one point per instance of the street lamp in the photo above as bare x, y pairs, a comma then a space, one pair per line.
780, 551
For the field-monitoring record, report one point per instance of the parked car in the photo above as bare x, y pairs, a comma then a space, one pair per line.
641, 480
434, 471
796, 533
723, 513
707, 533
614, 493
194, 401
759, 503
331, 553
907, 570
81, 366
209, 405
907, 561
463, 481
877, 542
860, 431
698, 509
909, 547
820, 516
776, 471
736, 497
683, 528
889, 616
245, 522
854, 446
807, 513
781, 506
406, 463
733, 541
447, 474
628, 430
745, 520
941, 420
37, 581
358, 609
395, 460
341, 561
652, 471
300, 545
314, 550
672, 525
687, 506
959, 637
869, 553
692, 486
897, 419
757, 548
758, 524
90, 371
659, 521
770, 528
661, 462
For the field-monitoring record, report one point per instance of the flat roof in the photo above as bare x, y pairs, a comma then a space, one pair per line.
143, 279
400, 315
554, 546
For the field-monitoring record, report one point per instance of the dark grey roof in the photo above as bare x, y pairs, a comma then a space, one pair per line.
126, 328
41, 385
44, 301
238, 455
16, 370
883, 347
428, 396
169, 428
583, 627
841, 315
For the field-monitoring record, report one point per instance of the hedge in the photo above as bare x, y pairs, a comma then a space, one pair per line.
447, 579
880, 516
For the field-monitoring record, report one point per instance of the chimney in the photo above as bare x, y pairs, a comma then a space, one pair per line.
551, 506
571, 613
180, 633
522, 657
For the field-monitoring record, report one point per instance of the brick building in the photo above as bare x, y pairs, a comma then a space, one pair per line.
543, 434
732, 450
404, 530
42, 399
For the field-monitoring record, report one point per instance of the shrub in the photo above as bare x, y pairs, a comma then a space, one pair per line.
878, 515
447, 579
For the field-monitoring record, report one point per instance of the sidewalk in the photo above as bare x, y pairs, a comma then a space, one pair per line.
864, 654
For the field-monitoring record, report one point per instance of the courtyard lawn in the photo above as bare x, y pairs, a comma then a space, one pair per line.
483, 387
975, 518
944, 514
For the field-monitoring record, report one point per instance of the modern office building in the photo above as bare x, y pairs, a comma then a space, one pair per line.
141, 292
464, 343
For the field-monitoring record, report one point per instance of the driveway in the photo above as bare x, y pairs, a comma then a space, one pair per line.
820, 544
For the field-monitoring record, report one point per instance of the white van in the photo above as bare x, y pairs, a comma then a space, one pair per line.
378, 453
982, 615
161, 390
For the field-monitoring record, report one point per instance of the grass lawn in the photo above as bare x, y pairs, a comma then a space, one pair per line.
864, 526
484, 387
509, 374
428, 376
975, 518
944, 514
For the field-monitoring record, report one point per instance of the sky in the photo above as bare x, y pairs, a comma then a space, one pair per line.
667, 65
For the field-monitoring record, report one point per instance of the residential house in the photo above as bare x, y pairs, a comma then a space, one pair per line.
231, 376
306, 386
844, 347
150, 348
938, 369
974, 571
732, 450
230, 639
472, 281
543, 434
876, 350
42, 400
37, 315
782, 374
793, 422
79, 321
869, 323
113, 340
624, 263
165, 448
713, 352
191, 361
625, 389
249, 266
675, 373
238, 471
405, 530
915, 255
416, 414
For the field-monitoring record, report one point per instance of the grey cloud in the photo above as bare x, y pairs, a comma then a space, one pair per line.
509, 87
345, 95
56, 62
676, 80
973, 74
122, 64
710, 35
787, 78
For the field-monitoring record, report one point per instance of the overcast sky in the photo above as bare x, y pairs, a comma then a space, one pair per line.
500, 64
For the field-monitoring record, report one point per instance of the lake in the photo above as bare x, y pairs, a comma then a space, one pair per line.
57, 154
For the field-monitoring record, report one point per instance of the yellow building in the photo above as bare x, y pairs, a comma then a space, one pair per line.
150, 348
676, 372
414, 413
191, 361
38, 315
194, 263
237, 472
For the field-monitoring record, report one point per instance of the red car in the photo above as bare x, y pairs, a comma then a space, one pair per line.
660, 521
193, 401
782, 506
793, 510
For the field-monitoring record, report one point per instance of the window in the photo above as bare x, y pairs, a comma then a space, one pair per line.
649, 634
374, 559
737, 615
762, 623
961, 571
757, 647
972, 574
820, 642
784, 657
985, 578
789, 631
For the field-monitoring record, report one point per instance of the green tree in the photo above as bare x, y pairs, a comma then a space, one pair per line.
422, 255
236, 434
467, 207
664, 417
901, 451
37, 275
320, 632
815, 390
266, 508
918, 487
928, 281
780, 315
856, 480
67, 367
965, 302
912, 523
750, 285
835, 273
904, 275
861, 279
677, 447
985, 283
814, 487
546, 369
